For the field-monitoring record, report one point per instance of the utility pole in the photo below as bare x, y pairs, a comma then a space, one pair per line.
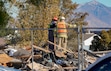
32, 49
79, 62
80, 49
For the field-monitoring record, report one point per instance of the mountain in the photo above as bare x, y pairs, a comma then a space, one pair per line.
99, 14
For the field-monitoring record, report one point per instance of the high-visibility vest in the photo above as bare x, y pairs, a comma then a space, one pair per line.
61, 27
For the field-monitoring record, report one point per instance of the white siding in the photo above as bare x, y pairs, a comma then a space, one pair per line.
88, 41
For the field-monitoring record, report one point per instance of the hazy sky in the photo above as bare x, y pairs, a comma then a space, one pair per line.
105, 2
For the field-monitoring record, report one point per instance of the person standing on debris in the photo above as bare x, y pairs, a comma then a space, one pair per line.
51, 33
62, 32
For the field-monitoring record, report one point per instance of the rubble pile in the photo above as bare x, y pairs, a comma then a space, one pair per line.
4, 58
41, 59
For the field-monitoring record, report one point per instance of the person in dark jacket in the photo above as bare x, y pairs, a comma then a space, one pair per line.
51, 33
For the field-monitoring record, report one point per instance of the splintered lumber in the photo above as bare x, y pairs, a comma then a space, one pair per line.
37, 67
101, 52
63, 68
15, 61
4, 59
60, 54
90, 59
60, 47
42, 49
28, 56
91, 53
69, 67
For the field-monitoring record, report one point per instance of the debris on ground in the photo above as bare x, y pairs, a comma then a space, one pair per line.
42, 59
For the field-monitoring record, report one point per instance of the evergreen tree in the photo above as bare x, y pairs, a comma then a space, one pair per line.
96, 44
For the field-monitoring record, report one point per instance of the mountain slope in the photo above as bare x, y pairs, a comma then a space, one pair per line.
99, 14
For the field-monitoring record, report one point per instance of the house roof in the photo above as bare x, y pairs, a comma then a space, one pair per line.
88, 35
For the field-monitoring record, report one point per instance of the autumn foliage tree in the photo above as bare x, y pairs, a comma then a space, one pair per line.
105, 39
36, 14
109, 45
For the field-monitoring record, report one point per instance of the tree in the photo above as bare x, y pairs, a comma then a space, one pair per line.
38, 14
96, 44
105, 39
109, 32
3, 19
103, 43
109, 45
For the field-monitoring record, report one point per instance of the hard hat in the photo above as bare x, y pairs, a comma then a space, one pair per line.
55, 18
62, 18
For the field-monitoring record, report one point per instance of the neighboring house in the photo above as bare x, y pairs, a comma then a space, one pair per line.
87, 40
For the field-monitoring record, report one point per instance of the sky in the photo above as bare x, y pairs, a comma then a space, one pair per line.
105, 2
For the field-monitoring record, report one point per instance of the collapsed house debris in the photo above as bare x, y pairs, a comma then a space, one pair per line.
42, 59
